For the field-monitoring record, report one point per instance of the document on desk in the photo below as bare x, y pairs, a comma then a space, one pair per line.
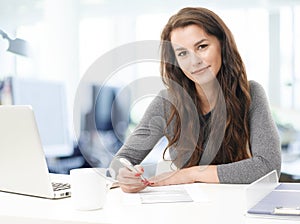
168, 194
165, 194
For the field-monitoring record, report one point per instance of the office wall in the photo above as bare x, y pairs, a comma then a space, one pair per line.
69, 35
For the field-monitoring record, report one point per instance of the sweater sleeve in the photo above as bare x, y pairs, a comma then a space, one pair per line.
264, 140
146, 134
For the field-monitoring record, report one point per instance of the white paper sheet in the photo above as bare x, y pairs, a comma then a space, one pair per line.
167, 194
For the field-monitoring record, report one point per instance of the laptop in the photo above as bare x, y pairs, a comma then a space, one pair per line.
23, 166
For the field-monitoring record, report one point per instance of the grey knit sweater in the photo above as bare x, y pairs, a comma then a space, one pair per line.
264, 140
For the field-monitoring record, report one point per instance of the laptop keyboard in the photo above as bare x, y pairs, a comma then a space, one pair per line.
60, 186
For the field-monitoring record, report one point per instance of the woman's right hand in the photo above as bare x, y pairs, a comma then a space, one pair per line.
131, 182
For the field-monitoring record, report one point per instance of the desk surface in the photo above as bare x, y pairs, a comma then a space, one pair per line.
226, 205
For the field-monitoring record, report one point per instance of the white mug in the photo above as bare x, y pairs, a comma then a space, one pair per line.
89, 188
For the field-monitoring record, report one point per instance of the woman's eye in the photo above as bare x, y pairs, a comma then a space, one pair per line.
182, 53
202, 46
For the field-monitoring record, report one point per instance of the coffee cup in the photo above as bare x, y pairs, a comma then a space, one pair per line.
89, 187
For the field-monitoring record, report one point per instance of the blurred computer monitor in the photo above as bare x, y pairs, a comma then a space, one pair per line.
105, 123
48, 100
110, 110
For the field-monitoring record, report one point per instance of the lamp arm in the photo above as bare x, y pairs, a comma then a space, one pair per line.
16, 46
4, 35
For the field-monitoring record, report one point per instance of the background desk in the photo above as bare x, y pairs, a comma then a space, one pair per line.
226, 205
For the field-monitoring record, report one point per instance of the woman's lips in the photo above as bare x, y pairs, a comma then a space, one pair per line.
199, 70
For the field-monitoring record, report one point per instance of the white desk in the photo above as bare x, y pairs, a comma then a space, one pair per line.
226, 205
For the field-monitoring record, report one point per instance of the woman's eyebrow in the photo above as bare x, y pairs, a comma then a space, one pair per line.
180, 49
195, 45
200, 42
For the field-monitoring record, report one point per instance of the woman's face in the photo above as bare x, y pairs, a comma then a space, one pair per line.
198, 54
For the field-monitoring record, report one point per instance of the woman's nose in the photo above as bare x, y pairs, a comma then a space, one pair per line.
195, 59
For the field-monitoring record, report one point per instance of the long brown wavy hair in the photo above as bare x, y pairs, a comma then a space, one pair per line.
233, 82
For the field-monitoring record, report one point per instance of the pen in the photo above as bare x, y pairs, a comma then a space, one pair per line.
128, 165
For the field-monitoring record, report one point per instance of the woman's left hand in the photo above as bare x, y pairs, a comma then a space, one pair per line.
207, 174
183, 176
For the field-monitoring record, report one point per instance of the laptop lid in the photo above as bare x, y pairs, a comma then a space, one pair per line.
23, 167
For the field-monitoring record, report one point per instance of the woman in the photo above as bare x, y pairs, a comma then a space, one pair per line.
231, 138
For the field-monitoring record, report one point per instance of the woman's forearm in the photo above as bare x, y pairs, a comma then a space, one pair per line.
208, 174
189, 175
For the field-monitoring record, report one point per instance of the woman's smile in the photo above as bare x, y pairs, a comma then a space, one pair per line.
200, 71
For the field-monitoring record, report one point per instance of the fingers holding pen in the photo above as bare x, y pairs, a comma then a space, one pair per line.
127, 176
139, 173
130, 181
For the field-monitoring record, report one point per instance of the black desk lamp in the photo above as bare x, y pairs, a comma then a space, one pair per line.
17, 46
